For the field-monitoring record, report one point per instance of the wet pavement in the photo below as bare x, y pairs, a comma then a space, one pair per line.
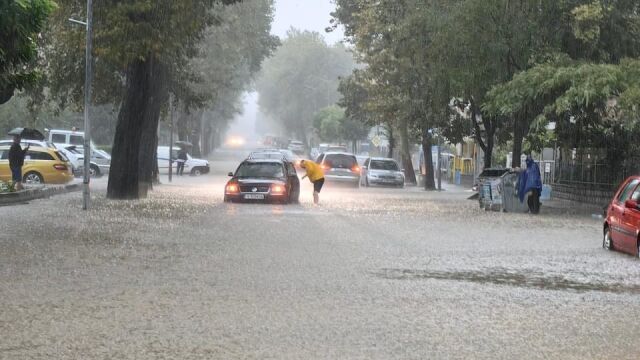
370, 274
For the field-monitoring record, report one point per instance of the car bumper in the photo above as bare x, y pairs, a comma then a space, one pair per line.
342, 179
268, 198
385, 182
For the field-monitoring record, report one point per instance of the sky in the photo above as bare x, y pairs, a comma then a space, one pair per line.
305, 15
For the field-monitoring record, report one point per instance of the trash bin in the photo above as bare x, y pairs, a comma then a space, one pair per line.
510, 200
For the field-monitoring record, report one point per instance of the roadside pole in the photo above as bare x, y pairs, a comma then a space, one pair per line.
439, 162
86, 192
170, 137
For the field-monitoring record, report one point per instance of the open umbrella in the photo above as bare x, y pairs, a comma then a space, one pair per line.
27, 133
183, 144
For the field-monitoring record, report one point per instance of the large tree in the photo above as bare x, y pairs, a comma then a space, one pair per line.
20, 25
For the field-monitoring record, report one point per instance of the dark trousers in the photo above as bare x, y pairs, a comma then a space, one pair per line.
534, 201
180, 168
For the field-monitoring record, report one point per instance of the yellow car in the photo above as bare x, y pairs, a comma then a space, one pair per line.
41, 166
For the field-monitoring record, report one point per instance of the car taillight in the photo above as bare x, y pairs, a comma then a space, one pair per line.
355, 169
324, 167
277, 189
232, 188
60, 167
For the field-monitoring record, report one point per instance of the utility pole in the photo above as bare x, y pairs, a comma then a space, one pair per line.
170, 137
86, 192
439, 162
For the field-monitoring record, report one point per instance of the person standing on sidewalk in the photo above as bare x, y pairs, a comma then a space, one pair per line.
530, 186
315, 175
182, 159
16, 160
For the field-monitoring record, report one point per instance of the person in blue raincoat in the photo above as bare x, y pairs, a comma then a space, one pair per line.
530, 182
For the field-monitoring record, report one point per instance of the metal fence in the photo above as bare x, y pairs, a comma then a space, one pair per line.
597, 176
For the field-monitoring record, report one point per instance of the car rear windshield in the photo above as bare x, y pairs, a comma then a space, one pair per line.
340, 161
384, 165
61, 156
493, 172
259, 169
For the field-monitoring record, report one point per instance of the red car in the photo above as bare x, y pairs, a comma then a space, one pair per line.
622, 224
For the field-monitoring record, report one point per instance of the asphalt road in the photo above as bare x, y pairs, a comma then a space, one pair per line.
368, 274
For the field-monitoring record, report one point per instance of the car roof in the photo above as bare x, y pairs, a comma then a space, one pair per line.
338, 153
33, 147
383, 159
279, 161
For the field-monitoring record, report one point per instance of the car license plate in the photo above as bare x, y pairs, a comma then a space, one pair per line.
254, 196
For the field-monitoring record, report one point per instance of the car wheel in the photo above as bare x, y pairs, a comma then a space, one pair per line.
33, 178
94, 171
196, 171
606, 239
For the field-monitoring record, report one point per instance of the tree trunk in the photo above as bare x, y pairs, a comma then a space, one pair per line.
517, 142
135, 141
488, 153
429, 181
409, 173
392, 141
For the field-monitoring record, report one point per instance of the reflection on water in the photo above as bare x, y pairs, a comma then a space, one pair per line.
519, 278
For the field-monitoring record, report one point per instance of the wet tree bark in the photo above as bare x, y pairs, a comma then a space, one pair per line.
409, 173
392, 141
135, 141
429, 182
517, 142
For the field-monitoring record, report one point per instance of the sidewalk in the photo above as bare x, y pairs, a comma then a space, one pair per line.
34, 193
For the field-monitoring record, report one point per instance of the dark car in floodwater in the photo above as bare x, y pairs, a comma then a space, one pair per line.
622, 223
263, 180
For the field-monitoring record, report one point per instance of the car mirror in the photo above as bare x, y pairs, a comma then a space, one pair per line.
230, 174
631, 204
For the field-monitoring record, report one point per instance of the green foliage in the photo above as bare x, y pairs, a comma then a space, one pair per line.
20, 23
301, 78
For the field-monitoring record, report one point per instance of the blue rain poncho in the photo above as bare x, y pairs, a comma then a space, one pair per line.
529, 179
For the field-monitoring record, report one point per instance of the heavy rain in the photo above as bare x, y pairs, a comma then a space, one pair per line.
319, 179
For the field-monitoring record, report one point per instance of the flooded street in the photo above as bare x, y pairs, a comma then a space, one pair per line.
369, 274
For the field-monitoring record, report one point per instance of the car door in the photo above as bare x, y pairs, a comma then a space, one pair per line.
293, 180
629, 224
5, 172
619, 231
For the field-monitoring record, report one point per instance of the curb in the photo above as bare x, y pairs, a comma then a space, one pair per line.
21, 197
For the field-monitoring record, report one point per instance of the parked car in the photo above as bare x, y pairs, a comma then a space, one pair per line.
263, 180
42, 165
382, 171
193, 166
100, 162
622, 223
340, 167
76, 165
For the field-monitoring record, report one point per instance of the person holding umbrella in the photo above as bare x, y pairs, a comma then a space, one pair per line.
16, 160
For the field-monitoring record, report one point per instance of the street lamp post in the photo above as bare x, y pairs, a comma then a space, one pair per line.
171, 137
86, 193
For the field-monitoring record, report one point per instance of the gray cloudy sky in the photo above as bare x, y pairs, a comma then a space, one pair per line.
305, 15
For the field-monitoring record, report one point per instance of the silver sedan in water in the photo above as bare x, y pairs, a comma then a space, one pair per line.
382, 171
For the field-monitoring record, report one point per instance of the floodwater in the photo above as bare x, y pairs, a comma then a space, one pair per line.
369, 274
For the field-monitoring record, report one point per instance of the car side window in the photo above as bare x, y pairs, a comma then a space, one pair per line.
59, 138
4, 154
626, 192
636, 195
38, 155
291, 169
